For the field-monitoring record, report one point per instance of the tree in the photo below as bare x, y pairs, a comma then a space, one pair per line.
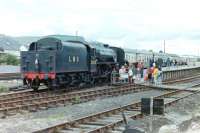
9, 59
151, 50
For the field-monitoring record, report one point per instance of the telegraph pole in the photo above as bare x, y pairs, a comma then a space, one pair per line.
164, 46
76, 35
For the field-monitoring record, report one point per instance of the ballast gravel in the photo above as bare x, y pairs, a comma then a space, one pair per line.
182, 117
29, 122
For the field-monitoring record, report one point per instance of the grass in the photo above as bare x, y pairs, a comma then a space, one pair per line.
3, 89
76, 100
56, 116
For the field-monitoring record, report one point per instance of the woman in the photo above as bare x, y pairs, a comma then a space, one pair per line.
130, 75
155, 74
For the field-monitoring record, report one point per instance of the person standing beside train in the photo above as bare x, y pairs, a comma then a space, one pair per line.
168, 62
155, 75
123, 74
114, 76
152, 71
141, 69
130, 75
159, 76
149, 74
160, 63
138, 71
134, 70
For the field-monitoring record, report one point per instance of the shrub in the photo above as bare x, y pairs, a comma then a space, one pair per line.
9, 59
3, 89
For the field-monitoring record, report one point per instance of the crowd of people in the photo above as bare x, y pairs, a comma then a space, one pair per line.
137, 72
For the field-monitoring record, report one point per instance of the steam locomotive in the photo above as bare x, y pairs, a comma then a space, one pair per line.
60, 60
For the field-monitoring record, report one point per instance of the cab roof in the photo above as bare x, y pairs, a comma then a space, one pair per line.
68, 38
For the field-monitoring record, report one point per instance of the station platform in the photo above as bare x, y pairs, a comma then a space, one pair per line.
177, 72
176, 68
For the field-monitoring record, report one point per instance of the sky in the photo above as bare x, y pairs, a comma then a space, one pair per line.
136, 24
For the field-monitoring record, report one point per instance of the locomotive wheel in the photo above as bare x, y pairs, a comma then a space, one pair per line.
53, 84
35, 84
27, 83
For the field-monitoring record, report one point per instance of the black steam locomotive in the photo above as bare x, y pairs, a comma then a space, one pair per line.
60, 60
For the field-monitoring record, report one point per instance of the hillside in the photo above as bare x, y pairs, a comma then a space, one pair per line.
25, 40
9, 43
14, 43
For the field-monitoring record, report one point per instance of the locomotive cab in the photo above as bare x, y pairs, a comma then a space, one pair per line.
49, 44
38, 63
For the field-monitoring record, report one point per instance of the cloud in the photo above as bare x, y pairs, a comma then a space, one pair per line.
133, 24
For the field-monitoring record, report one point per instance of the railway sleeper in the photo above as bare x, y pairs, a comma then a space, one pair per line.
33, 109
54, 102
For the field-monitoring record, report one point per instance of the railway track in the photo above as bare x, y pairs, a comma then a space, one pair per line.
108, 120
28, 100
182, 80
9, 76
33, 101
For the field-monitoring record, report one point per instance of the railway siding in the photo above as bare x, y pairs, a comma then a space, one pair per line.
10, 76
32, 101
108, 119
46, 100
97, 106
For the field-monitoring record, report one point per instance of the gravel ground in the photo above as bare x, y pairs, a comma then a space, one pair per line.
31, 121
183, 117
10, 83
